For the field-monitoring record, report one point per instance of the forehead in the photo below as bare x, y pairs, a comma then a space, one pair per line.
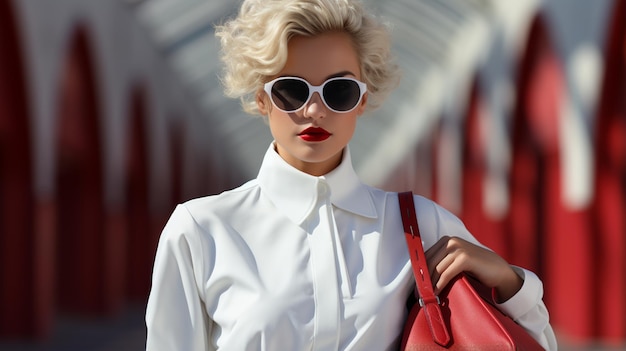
322, 56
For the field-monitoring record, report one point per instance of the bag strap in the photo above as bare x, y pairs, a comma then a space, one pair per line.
427, 298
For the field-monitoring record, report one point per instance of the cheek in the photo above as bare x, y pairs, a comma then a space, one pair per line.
348, 125
279, 123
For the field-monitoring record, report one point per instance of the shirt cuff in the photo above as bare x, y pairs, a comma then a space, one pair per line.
526, 298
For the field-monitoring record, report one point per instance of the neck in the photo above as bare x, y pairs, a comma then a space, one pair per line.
316, 169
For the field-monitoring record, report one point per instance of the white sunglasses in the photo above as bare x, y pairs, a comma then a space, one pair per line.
340, 94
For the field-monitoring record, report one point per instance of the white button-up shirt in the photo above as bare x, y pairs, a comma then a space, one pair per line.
290, 261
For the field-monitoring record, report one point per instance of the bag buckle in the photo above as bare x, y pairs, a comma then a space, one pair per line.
422, 303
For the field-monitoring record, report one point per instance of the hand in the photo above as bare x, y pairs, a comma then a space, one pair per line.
451, 256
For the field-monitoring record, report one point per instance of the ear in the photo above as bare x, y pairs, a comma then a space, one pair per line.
362, 105
262, 102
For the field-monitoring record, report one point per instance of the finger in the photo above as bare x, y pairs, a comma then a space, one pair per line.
435, 255
440, 267
445, 277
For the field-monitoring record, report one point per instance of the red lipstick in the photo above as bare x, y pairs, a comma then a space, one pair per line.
314, 134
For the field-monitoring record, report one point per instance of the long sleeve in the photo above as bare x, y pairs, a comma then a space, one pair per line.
526, 307
175, 315
528, 310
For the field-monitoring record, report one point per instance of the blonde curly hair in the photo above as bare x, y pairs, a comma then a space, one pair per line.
254, 44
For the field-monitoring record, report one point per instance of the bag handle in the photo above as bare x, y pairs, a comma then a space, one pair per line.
427, 298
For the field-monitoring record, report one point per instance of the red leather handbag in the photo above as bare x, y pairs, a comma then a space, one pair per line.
463, 316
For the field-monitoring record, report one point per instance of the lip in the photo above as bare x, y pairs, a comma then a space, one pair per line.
314, 134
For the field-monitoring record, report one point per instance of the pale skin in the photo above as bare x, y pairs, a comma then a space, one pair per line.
332, 54
452, 255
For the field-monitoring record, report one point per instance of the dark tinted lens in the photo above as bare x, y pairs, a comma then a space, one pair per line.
289, 94
341, 94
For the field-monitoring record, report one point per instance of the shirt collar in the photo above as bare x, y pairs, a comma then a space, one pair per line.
296, 193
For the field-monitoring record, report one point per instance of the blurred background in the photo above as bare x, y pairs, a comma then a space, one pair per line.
511, 114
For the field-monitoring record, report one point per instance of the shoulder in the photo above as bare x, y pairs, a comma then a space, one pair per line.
193, 225
223, 202
197, 214
423, 205
434, 220
427, 207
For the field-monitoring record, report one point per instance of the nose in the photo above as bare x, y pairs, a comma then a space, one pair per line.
315, 107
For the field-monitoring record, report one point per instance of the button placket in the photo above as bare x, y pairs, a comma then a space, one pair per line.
325, 273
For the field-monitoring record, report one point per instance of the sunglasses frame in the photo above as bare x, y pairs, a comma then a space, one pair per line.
267, 87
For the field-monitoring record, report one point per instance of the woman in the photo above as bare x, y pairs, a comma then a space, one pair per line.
305, 256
